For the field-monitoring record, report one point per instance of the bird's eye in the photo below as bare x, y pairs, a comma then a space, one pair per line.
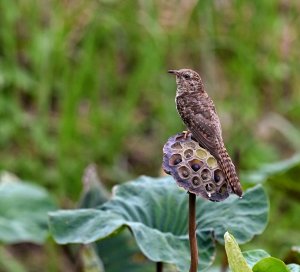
186, 76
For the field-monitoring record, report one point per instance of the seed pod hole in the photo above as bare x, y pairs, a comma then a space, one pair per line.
211, 161
209, 187
223, 189
205, 174
201, 153
196, 181
218, 176
175, 159
188, 153
176, 145
190, 145
184, 172
195, 164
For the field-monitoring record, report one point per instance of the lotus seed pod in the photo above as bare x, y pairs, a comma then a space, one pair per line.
194, 168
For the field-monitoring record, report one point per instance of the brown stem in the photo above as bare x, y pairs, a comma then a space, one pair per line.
192, 232
159, 267
224, 262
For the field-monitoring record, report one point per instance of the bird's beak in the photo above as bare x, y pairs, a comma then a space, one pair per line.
174, 72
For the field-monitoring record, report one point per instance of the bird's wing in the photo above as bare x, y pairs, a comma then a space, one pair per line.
204, 133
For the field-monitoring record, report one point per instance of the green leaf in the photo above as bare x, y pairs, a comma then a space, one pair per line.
235, 257
268, 170
147, 208
103, 255
23, 212
156, 211
253, 256
86, 226
270, 264
294, 267
94, 193
109, 250
244, 217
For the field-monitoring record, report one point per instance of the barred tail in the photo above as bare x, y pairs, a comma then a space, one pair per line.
230, 172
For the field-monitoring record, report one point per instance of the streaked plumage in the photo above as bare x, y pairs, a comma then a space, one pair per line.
198, 112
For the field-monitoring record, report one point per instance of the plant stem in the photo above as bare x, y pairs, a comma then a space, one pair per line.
192, 232
224, 262
159, 267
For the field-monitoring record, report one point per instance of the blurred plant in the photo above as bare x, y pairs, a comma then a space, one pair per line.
51, 113
281, 182
235, 257
23, 222
105, 255
81, 81
23, 211
259, 260
146, 207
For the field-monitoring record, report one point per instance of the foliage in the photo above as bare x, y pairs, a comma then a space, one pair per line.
146, 206
270, 170
84, 81
235, 257
253, 256
270, 264
7, 263
107, 251
23, 212
52, 114
259, 260
294, 267
281, 181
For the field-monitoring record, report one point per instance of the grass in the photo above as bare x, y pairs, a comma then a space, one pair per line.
86, 81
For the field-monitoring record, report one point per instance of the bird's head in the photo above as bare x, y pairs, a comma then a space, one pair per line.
187, 80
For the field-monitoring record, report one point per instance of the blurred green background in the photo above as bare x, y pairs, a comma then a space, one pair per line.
85, 81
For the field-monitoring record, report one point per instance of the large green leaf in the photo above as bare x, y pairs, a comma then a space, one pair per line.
109, 251
294, 267
23, 212
244, 217
270, 264
253, 256
149, 214
86, 226
156, 211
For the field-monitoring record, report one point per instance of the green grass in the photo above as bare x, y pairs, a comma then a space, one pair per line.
86, 81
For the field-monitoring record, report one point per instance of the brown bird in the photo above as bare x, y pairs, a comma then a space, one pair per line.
198, 112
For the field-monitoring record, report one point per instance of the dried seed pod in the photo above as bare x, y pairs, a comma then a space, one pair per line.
194, 168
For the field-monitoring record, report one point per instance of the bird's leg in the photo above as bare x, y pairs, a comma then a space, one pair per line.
186, 134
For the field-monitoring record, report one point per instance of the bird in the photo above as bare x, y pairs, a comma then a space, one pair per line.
198, 112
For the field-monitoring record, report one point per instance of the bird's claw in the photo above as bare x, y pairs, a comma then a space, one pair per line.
186, 134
